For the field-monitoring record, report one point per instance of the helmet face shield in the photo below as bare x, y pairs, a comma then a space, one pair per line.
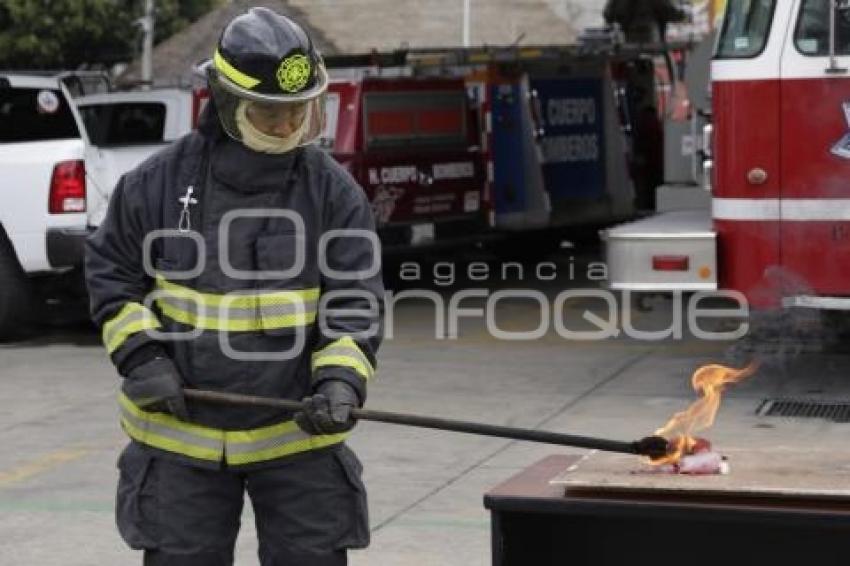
280, 120
272, 116
268, 81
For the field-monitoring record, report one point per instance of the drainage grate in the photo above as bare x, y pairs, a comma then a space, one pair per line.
838, 411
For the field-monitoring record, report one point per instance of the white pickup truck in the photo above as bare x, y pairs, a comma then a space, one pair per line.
125, 128
60, 157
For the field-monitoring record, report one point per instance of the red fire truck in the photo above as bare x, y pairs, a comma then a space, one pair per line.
413, 144
531, 141
778, 228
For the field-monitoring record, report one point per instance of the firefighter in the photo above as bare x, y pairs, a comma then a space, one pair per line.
643, 21
242, 259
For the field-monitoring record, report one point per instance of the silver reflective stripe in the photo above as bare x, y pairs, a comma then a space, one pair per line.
266, 444
173, 433
125, 322
238, 313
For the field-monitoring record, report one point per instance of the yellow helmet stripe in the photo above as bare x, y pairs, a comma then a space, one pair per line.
232, 73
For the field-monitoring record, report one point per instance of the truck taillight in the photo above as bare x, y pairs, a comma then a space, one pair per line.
670, 263
68, 188
200, 98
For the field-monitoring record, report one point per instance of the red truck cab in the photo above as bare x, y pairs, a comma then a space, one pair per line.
781, 204
778, 229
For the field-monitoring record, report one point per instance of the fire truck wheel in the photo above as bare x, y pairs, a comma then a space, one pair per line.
15, 293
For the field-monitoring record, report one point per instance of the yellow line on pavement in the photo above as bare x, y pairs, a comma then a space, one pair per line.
41, 465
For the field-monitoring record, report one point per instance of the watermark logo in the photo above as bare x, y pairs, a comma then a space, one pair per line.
345, 301
689, 314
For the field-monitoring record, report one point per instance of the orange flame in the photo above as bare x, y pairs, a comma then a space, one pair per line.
709, 381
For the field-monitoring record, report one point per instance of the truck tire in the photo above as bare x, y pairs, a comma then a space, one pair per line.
15, 293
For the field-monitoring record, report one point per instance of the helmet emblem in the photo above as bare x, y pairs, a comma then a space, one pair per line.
293, 73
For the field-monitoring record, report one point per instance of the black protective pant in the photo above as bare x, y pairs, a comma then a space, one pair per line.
309, 508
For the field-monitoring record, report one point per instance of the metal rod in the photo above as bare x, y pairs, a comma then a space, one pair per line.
467, 22
427, 422
148, 23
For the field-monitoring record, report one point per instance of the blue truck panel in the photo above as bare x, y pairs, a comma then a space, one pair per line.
509, 190
573, 143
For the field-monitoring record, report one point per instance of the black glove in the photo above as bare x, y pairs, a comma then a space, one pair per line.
328, 411
156, 386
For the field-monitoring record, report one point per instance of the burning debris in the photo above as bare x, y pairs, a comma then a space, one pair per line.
687, 453
700, 459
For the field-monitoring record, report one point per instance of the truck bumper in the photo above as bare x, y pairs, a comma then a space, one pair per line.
66, 246
636, 253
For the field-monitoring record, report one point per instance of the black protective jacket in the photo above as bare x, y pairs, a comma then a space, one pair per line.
299, 303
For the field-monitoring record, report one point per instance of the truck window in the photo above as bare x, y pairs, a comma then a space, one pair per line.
415, 119
34, 114
126, 123
745, 29
811, 35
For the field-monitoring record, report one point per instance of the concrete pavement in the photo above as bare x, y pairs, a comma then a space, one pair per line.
60, 436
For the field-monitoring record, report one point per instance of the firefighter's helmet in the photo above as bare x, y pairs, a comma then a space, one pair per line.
267, 65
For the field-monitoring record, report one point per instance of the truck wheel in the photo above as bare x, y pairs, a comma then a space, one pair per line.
15, 293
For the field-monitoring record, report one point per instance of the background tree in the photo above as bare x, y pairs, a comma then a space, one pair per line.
68, 34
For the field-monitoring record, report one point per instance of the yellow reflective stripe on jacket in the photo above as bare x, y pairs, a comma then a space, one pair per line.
237, 312
225, 324
240, 300
276, 441
172, 435
204, 443
344, 352
132, 318
232, 73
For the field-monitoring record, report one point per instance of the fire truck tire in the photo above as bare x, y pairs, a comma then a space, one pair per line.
15, 293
